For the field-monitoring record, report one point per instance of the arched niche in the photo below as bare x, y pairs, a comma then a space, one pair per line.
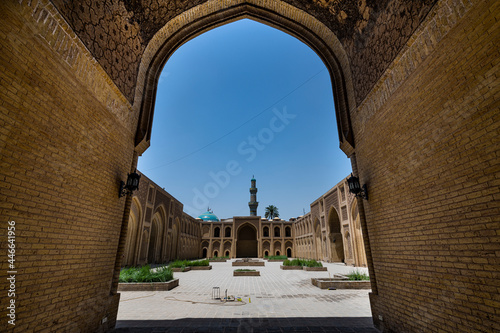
335, 237
135, 218
246, 245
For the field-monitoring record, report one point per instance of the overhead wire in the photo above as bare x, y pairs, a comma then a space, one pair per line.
239, 126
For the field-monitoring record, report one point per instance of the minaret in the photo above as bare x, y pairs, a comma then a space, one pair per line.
253, 199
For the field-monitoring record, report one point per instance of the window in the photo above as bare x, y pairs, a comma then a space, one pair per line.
217, 232
288, 232
277, 232
227, 232
266, 232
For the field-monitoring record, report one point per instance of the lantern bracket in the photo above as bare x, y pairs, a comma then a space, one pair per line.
131, 185
356, 189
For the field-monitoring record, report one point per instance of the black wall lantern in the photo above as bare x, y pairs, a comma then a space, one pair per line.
356, 189
131, 185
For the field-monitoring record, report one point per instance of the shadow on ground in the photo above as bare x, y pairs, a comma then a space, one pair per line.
248, 325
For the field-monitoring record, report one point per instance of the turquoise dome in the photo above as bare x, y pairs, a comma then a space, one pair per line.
209, 217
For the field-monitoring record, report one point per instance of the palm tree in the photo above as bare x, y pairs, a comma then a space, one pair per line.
272, 212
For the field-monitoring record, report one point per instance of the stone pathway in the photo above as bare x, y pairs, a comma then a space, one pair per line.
277, 301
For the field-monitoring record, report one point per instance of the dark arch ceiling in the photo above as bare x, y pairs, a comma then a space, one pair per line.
117, 32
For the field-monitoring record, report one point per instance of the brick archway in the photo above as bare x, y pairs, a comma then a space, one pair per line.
425, 115
282, 16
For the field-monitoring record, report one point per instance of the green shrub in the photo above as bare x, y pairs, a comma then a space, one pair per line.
312, 263
126, 274
302, 262
186, 263
145, 274
204, 262
277, 257
244, 270
178, 264
293, 262
217, 258
358, 276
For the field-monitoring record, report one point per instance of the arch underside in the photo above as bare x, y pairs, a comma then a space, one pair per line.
164, 44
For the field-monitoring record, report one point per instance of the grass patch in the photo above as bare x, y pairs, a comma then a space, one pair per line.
145, 274
245, 270
358, 276
188, 263
302, 263
276, 257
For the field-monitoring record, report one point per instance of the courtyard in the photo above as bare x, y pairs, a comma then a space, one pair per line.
277, 301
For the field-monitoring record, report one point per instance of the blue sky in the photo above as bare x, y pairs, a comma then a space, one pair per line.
241, 100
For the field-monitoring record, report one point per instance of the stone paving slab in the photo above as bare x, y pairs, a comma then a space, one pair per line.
277, 301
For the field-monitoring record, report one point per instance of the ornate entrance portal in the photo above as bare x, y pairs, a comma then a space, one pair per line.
247, 242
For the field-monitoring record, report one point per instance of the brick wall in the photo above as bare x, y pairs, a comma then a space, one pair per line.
432, 173
66, 138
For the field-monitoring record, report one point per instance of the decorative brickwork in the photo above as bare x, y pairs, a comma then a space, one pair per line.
117, 32
372, 32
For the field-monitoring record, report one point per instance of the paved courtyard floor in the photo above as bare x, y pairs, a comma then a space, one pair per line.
277, 301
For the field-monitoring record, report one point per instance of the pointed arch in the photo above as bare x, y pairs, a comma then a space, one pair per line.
135, 218
266, 248
227, 231
153, 241
216, 249
216, 232
227, 248
246, 244
336, 241
157, 237
277, 248
317, 239
359, 246
265, 231
209, 15
144, 247
174, 253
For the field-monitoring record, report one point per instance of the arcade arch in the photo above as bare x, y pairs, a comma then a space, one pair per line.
277, 231
246, 245
132, 233
153, 240
359, 248
227, 232
335, 237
